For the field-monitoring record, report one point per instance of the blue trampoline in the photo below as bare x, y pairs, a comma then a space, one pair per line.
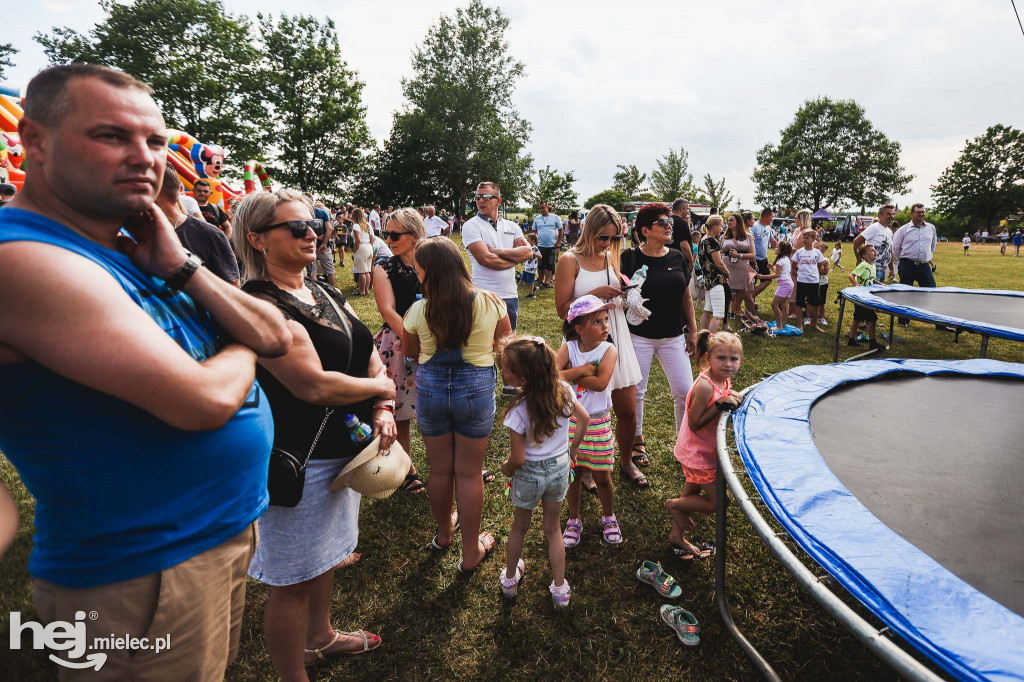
878, 473
987, 312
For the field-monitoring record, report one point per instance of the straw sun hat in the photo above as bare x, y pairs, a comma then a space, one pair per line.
373, 473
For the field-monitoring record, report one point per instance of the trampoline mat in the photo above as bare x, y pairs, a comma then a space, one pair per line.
940, 460
1007, 311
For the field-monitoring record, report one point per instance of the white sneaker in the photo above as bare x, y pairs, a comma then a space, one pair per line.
807, 321
822, 321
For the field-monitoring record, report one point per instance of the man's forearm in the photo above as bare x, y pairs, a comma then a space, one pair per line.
519, 254
246, 319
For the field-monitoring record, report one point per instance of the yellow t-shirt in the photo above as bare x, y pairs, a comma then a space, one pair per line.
477, 351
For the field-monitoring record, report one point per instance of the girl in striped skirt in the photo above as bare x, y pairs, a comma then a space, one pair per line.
587, 361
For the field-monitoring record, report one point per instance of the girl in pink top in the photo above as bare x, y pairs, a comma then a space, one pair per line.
720, 355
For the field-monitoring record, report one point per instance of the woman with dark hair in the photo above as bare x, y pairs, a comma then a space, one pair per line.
670, 330
573, 228
738, 254
331, 370
452, 330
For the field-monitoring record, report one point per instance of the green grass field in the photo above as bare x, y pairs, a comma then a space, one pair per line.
436, 626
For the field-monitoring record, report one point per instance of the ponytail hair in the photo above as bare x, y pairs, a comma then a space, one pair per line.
785, 249
706, 342
546, 396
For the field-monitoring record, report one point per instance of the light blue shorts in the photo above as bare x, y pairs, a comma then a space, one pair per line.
546, 479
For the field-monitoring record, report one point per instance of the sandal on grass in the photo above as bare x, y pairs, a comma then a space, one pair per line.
434, 544
587, 482
367, 646
413, 484
487, 554
610, 530
509, 587
488, 476
634, 476
664, 584
682, 622
573, 530
640, 459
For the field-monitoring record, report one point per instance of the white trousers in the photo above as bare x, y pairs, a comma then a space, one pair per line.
674, 361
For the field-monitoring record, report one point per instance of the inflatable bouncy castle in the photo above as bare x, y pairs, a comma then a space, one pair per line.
194, 160
11, 153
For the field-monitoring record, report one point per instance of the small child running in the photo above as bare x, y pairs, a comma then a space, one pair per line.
587, 361
696, 449
837, 255
541, 458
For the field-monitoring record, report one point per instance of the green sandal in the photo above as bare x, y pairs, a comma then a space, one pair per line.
664, 584
683, 623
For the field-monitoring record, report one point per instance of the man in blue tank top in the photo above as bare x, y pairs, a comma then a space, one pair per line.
128, 401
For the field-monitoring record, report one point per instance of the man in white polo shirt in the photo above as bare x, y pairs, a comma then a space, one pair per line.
435, 226
495, 247
879, 235
374, 219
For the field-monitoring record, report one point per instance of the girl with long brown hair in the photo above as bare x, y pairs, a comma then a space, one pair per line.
452, 330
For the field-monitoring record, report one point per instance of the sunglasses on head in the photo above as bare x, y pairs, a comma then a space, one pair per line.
298, 227
393, 236
485, 197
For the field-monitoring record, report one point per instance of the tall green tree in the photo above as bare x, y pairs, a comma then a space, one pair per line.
629, 180
459, 125
671, 179
198, 58
831, 156
7, 50
612, 197
315, 102
555, 189
986, 183
715, 192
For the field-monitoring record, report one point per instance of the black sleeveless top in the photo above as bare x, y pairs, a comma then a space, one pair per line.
404, 282
296, 421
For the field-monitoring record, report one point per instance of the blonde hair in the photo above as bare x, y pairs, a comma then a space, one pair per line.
254, 211
712, 221
410, 219
598, 218
803, 219
359, 218
706, 342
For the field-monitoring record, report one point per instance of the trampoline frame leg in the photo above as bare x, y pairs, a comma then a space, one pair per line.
763, 666
839, 328
892, 326
984, 346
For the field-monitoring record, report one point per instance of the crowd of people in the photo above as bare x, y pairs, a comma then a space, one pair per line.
204, 339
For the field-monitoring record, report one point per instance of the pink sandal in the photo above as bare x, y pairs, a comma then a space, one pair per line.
573, 530
611, 532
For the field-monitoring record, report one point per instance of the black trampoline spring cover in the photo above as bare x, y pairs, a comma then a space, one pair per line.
886, 475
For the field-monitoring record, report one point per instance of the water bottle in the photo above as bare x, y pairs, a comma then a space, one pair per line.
358, 431
639, 277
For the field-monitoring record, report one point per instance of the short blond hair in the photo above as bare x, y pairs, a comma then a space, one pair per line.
254, 211
803, 219
410, 219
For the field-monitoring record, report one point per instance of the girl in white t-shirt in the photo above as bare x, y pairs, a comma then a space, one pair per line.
967, 244
587, 361
784, 284
541, 459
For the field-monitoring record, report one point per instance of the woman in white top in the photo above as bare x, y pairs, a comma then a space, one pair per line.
591, 266
362, 253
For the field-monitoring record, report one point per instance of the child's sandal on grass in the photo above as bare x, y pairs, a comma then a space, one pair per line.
509, 587
610, 530
683, 623
573, 530
651, 574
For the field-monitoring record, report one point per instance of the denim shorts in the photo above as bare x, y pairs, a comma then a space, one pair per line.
546, 479
453, 395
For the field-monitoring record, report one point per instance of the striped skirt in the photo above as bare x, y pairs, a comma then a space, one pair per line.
597, 451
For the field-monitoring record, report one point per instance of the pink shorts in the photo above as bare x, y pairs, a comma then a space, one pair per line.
785, 288
699, 476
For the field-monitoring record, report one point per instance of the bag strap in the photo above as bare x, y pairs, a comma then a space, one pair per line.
327, 415
346, 327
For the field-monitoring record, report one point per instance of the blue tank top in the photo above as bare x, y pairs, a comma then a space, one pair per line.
119, 493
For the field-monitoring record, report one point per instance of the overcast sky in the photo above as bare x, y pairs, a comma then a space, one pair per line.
622, 82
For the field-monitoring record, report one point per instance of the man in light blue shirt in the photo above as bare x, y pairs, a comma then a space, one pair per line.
764, 237
548, 227
913, 246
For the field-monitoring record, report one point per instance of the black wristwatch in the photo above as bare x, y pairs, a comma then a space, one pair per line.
176, 281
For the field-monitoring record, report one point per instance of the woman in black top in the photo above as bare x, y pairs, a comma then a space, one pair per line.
395, 286
332, 369
670, 331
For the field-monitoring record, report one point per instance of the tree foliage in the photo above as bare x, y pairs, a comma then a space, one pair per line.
715, 192
553, 188
829, 157
314, 105
7, 50
612, 197
986, 183
459, 126
671, 179
197, 57
629, 180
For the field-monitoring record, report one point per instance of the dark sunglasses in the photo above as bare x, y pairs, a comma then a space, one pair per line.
485, 197
394, 236
298, 227
664, 222
605, 237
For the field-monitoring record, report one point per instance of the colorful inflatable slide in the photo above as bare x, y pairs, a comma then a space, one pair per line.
11, 153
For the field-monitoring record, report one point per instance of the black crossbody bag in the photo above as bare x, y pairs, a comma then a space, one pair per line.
286, 474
